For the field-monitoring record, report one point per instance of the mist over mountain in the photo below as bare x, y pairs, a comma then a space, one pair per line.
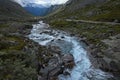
39, 7
41, 2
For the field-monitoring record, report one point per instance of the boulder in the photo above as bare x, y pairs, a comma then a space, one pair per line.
104, 65
114, 66
55, 72
41, 78
55, 49
68, 61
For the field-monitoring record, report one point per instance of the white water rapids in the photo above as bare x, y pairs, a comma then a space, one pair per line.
82, 70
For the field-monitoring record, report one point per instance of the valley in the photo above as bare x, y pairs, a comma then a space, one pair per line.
76, 41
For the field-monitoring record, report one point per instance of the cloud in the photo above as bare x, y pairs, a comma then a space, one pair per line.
41, 2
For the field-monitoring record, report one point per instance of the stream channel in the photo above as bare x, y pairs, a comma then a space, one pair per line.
83, 69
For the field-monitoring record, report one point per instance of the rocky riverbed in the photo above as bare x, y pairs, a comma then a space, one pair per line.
69, 61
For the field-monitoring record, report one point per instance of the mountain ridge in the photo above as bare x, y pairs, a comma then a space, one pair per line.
10, 9
100, 10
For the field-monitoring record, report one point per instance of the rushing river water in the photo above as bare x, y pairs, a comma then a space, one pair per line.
83, 69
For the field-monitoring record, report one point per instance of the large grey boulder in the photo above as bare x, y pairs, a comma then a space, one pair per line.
68, 61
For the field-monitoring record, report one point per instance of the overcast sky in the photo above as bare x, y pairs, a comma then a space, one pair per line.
42, 2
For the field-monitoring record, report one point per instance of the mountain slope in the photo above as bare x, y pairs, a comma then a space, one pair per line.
87, 19
37, 11
40, 10
9, 8
103, 10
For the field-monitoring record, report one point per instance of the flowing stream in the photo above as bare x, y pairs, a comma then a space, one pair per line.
82, 70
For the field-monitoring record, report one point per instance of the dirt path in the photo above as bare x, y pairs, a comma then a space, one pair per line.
93, 22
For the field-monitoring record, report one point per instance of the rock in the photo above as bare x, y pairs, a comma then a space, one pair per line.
85, 41
62, 37
67, 58
116, 21
1, 35
97, 53
103, 65
66, 72
54, 62
114, 66
72, 34
55, 49
41, 78
116, 49
53, 78
68, 61
55, 72
117, 36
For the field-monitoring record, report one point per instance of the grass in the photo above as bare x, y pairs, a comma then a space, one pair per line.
106, 11
93, 32
15, 63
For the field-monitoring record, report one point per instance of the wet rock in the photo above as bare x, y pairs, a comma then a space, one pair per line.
54, 61
68, 61
56, 71
85, 41
67, 58
55, 49
72, 34
66, 72
62, 37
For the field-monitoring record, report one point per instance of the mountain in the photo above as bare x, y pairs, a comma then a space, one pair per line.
36, 9
40, 10
8, 8
107, 10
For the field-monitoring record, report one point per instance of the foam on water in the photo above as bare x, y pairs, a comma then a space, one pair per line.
42, 34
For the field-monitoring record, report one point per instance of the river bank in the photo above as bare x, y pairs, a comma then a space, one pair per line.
44, 35
14, 36
105, 53
17, 53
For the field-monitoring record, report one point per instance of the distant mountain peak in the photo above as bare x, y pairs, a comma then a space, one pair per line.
45, 3
37, 5
31, 4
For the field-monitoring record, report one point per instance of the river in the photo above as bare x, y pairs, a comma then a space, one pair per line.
83, 69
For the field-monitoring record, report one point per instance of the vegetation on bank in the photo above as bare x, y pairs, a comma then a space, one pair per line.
95, 10
21, 58
107, 56
93, 32
15, 63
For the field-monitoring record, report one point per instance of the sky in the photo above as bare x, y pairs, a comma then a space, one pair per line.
41, 2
